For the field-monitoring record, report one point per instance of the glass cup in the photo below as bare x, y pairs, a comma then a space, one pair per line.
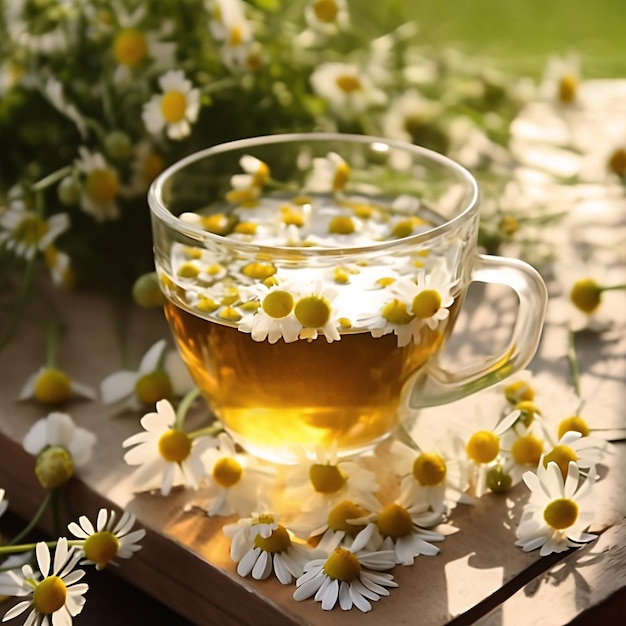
312, 280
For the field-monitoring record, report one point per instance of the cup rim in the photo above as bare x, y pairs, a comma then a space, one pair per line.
160, 211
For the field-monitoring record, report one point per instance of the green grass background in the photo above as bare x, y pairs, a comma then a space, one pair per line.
517, 32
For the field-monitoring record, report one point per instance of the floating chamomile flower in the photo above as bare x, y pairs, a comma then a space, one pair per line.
143, 387
164, 453
107, 540
258, 552
175, 109
56, 596
324, 481
559, 510
26, 233
313, 308
233, 480
50, 385
60, 446
351, 576
329, 174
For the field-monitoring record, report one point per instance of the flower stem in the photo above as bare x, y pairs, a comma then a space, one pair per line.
25, 547
207, 430
52, 342
50, 495
572, 359
184, 405
52, 178
613, 287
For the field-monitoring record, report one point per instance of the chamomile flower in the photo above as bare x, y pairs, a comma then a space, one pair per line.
26, 233
324, 481
230, 27
145, 386
561, 81
246, 187
56, 596
329, 174
175, 109
573, 447
100, 186
146, 165
351, 576
258, 552
60, 446
313, 308
165, 453
436, 477
233, 480
60, 265
107, 540
50, 385
346, 87
327, 16
559, 510
400, 528
429, 296
522, 447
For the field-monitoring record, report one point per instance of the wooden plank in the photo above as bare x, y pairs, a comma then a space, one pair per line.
185, 561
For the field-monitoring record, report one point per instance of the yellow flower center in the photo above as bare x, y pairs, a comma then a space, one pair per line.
561, 513
617, 162
152, 387
54, 467
403, 228
429, 469
312, 311
130, 47
101, 186
529, 410
519, 391
325, 10
278, 541
173, 106
527, 450
348, 83
236, 36
101, 547
483, 446
326, 478
30, 230
561, 455
568, 88
341, 513
151, 166
49, 595
574, 423
340, 180
207, 305
342, 565
394, 521
227, 472
426, 303
187, 270
278, 304
259, 270
174, 445
395, 312
341, 225
246, 228
585, 295
508, 225
52, 386
230, 314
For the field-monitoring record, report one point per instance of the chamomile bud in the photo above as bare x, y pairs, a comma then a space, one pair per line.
54, 467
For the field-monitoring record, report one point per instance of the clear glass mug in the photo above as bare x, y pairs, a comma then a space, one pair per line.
312, 280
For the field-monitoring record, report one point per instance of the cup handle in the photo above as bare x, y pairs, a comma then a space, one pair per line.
440, 386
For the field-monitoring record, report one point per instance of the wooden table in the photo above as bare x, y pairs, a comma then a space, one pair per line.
479, 577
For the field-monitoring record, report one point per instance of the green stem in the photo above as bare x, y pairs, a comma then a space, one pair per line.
206, 431
184, 405
25, 547
35, 520
52, 343
52, 178
573, 362
613, 287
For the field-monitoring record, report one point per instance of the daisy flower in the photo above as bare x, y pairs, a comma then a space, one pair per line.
572, 447
558, 512
561, 80
346, 87
327, 16
324, 481
60, 265
100, 186
437, 477
175, 108
246, 187
429, 295
230, 26
261, 545
314, 310
50, 385
521, 447
56, 596
164, 453
150, 383
351, 576
107, 540
329, 173
26, 233
233, 481
60, 446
